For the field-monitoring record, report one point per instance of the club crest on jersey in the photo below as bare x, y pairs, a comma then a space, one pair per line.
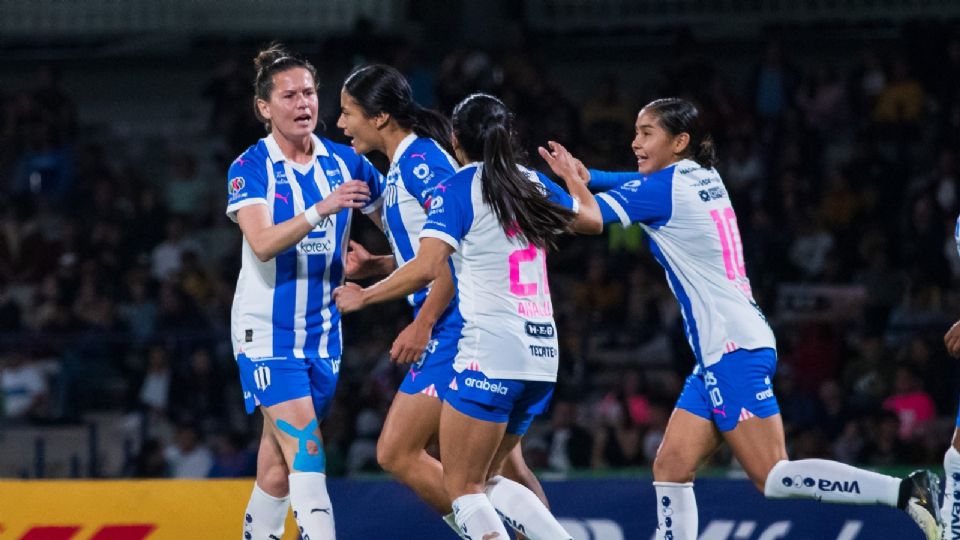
436, 202
236, 184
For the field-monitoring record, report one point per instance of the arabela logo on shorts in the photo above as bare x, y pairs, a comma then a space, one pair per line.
483, 384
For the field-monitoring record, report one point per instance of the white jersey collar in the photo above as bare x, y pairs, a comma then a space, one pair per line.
402, 147
276, 155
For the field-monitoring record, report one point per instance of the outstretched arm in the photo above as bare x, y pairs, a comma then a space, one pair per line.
430, 262
412, 341
588, 220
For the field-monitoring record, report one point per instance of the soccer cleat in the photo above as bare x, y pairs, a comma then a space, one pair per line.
919, 497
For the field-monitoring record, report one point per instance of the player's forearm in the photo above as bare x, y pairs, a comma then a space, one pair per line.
604, 180
410, 277
440, 296
588, 219
268, 242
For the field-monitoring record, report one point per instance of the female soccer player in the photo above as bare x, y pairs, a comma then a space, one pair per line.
950, 511
680, 201
292, 194
378, 113
498, 219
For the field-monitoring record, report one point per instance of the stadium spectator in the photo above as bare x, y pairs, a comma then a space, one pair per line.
24, 386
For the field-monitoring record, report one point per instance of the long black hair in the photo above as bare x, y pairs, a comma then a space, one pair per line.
270, 61
678, 116
378, 88
484, 128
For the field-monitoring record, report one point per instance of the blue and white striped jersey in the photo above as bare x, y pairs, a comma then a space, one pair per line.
502, 286
283, 306
693, 234
419, 164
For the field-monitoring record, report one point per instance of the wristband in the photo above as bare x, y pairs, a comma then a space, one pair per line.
313, 217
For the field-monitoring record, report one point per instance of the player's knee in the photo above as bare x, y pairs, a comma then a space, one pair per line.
274, 480
671, 465
390, 457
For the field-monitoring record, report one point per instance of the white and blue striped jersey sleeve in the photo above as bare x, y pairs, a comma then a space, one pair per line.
246, 181
647, 200
360, 168
605, 180
451, 210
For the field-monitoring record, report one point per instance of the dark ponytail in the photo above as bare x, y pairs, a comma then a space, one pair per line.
270, 61
484, 128
678, 116
378, 88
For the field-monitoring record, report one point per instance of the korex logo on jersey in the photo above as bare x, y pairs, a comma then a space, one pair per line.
483, 384
540, 330
315, 246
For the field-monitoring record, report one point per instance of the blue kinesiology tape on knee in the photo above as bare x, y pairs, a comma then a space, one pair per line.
307, 459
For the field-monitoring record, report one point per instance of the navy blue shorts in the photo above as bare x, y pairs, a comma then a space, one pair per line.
737, 387
431, 375
510, 401
272, 380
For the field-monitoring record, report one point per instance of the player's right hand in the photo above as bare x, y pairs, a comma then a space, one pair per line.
952, 340
357, 261
562, 162
351, 194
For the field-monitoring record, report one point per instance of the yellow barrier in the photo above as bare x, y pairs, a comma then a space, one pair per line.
125, 510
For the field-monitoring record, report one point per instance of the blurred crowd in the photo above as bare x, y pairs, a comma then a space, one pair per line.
116, 277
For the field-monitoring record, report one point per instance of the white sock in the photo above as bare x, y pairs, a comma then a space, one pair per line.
523, 510
265, 515
311, 505
451, 521
831, 482
677, 517
950, 512
477, 519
